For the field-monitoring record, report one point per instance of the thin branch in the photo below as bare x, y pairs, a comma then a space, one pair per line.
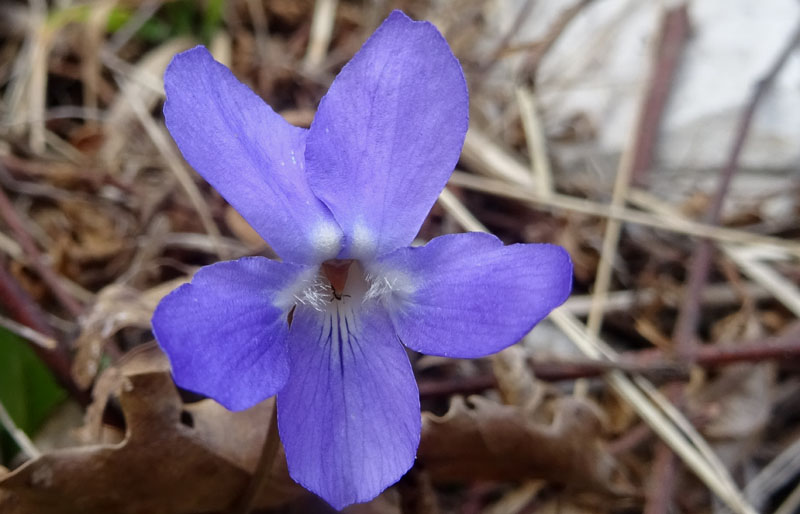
688, 316
530, 68
23, 309
666, 421
50, 277
652, 364
674, 32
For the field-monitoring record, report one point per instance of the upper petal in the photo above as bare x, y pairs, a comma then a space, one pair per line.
388, 134
467, 295
349, 415
251, 155
225, 332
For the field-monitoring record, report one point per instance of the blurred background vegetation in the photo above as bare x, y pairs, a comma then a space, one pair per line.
656, 141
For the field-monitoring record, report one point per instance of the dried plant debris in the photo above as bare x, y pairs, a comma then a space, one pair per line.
116, 307
100, 217
175, 458
490, 441
205, 453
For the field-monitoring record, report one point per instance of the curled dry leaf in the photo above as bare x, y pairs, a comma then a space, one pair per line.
738, 400
117, 307
490, 441
515, 380
175, 458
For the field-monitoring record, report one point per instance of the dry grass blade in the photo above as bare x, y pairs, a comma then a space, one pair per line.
481, 154
722, 486
170, 155
28, 333
19, 437
783, 290
679, 225
535, 139
613, 228
321, 31
146, 9
714, 294
41, 40
697, 454
608, 250
10, 247
791, 504
780, 471
652, 407
145, 83
455, 208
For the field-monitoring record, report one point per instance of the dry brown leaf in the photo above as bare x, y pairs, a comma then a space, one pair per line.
92, 431
117, 306
515, 380
175, 458
490, 441
100, 230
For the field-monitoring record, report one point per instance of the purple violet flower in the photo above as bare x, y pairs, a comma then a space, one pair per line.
339, 203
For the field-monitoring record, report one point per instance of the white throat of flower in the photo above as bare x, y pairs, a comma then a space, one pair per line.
342, 288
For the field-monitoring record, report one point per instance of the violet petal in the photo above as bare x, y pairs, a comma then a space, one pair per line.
249, 154
223, 333
349, 414
467, 295
387, 135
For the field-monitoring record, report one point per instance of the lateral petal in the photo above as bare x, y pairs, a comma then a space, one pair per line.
247, 152
387, 135
225, 332
468, 295
349, 414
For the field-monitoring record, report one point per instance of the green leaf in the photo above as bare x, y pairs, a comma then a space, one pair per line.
27, 388
117, 18
212, 18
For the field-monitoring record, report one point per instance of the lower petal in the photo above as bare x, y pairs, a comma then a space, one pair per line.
349, 414
468, 295
224, 333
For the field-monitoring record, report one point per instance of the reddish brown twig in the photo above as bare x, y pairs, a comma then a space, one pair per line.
689, 314
675, 32
47, 274
684, 333
557, 28
22, 308
466, 386
661, 483
653, 364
